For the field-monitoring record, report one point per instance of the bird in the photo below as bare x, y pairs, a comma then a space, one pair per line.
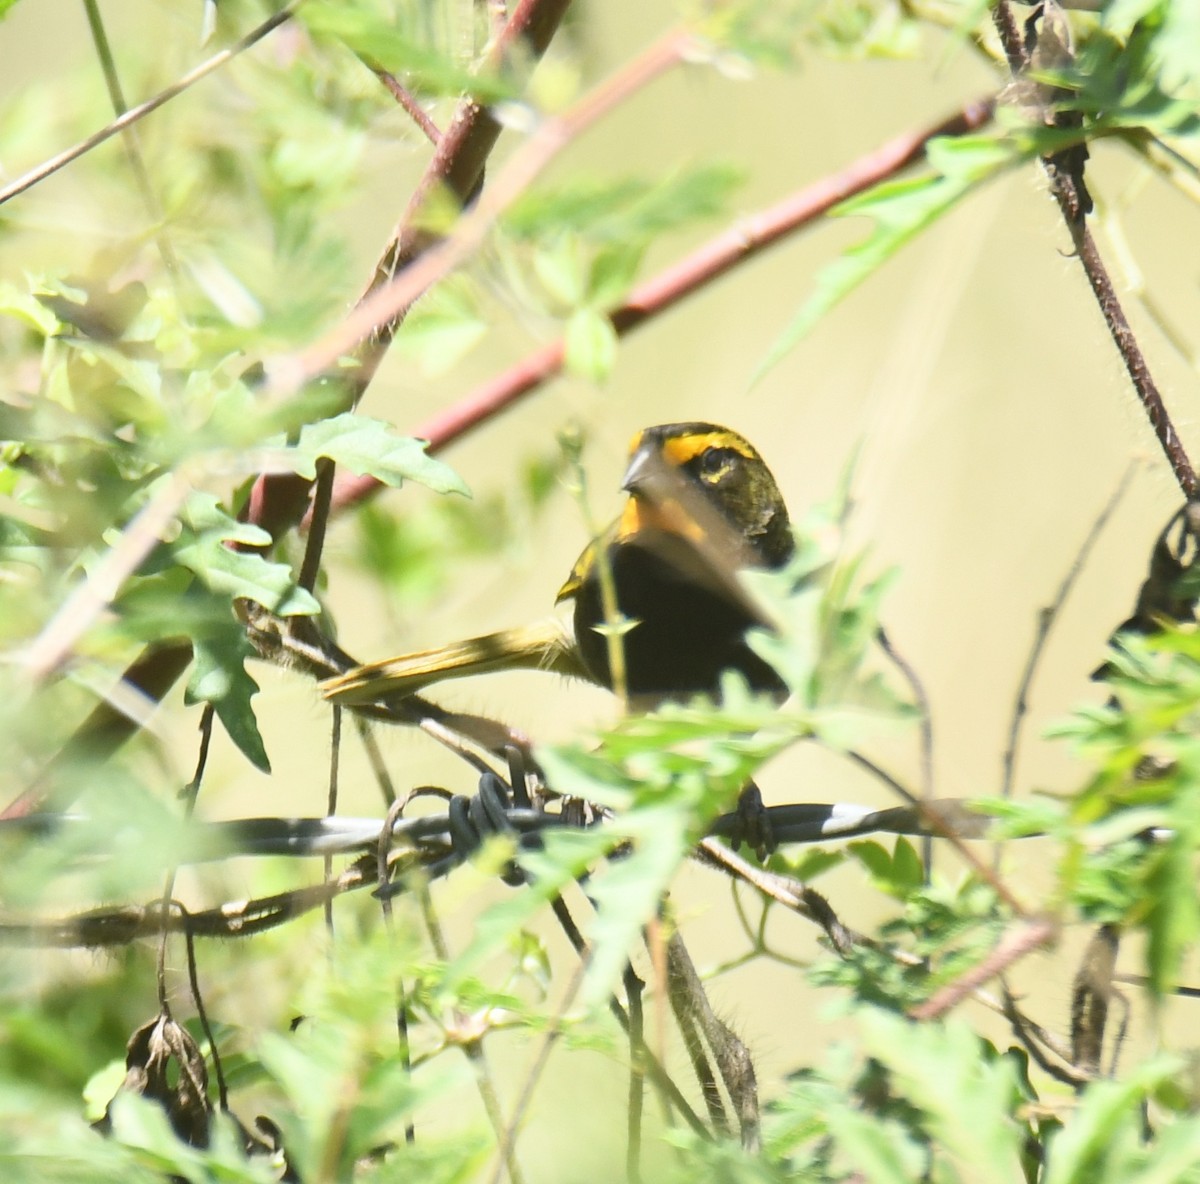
702, 505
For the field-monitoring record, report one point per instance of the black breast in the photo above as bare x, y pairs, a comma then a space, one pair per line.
691, 626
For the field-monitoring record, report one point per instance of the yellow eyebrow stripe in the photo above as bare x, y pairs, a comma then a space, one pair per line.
681, 449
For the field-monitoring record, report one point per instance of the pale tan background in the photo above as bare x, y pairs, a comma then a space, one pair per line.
973, 371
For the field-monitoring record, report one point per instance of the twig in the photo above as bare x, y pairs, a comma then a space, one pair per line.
379, 769
121, 926
190, 793
634, 988
1018, 942
1034, 1041
789, 892
58, 637
1046, 618
129, 118
1131, 355
926, 712
405, 98
335, 752
319, 518
129, 137
383, 850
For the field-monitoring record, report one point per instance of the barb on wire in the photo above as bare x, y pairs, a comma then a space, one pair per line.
495, 809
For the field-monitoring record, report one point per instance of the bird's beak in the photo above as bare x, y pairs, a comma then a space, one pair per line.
639, 476
658, 497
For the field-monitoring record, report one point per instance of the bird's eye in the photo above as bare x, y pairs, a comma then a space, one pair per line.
715, 463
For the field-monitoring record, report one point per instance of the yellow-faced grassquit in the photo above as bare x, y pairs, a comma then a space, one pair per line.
702, 505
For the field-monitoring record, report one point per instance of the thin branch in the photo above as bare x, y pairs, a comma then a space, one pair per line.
190, 792
1046, 619
1032, 1039
331, 804
909, 673
193, 971
129, 137
319, 517
1016, 944
1131, 354
406, 99
635, 1103
786, 890
129, 118
379, 769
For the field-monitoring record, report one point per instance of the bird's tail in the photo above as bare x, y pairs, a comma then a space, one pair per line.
544, 646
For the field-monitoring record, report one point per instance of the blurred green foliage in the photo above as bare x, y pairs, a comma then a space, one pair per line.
132, 422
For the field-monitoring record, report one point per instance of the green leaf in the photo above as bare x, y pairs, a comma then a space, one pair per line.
966, 1092
380, 38
371, 448
627, 211
901, 209
1173, 912
443, 327
560, 267
808, 863
628, 893
239, 574
17, 303
202, 550
1101, 1139
880, 1150
219, 677
899, 873
591, 345
908, 872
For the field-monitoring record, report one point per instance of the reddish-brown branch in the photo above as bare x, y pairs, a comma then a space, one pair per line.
728, 250
1015, 945
406, 99
104, 731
